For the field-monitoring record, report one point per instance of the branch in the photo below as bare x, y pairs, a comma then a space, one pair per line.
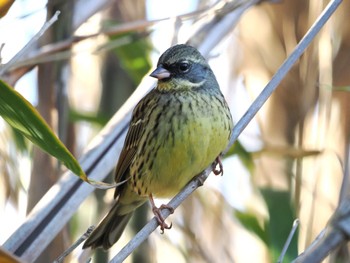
237, 130
63, 256
17, 70
29, 45
283, 70
152, 225
338, 231
335, 234
133, 26
61, 201
289, 240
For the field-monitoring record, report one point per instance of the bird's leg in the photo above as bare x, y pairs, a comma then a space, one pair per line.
157, 213
221, 167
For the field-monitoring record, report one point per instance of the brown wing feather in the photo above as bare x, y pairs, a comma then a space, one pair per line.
130, 145
128, 151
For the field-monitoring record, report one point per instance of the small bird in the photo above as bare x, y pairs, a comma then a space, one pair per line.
177, 130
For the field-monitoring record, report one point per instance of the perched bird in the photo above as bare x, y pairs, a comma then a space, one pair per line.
177, 130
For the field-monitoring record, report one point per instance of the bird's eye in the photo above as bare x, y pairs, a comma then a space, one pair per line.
184, 67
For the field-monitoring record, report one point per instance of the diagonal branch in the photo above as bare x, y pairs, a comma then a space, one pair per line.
134, 26
237, 130
29, 45
283, 70
337, 233
59, 204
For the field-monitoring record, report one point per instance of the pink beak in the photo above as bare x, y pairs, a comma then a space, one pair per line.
160, 73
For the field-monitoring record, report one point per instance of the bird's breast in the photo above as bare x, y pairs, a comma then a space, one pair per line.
183, 140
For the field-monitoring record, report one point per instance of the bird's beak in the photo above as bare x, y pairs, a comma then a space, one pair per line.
160, 73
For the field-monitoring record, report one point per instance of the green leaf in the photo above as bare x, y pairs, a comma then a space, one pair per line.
134, 56
251, 223
20, 140
279, 225
23, 117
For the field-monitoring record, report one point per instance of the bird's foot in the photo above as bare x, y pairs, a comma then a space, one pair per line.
219, 171
158, 215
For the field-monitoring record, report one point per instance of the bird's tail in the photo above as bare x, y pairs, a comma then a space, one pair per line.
111, 227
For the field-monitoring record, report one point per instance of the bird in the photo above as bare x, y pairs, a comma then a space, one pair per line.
176, 131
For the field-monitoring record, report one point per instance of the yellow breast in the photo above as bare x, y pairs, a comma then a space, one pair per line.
185, 143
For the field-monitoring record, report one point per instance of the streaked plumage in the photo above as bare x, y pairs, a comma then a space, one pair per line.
177, 130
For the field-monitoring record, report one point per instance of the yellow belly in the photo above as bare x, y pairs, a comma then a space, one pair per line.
194, 150
182, 147
183, 155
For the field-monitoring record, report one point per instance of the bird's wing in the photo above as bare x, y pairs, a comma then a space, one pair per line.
129, 150
132, 139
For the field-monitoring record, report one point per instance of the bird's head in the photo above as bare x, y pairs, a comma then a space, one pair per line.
181, 67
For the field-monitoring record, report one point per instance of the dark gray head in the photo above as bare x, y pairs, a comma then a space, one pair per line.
181, 67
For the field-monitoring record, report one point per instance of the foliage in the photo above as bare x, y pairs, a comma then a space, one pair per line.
23, 117
301, 114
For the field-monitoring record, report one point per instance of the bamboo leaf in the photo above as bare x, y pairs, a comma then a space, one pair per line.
134, 56
23, 117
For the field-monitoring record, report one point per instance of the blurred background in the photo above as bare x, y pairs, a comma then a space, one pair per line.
292, 161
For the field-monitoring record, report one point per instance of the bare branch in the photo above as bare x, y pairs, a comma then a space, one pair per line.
336, 233
143, 234
90, 8
289, 239
39, 56
29, 45
57, 206
239, 127
283, 70
338, 230
1, 48
75, 245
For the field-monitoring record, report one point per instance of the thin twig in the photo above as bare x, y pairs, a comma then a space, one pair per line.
237, 130
27, 47
134, 26
55, 208
288, 241
1, 48
346, 178
143, 234
283, 70
335, 234
322, 248
75, 245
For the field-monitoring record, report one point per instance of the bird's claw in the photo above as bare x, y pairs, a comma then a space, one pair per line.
160, 219
158, 215
219, 171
